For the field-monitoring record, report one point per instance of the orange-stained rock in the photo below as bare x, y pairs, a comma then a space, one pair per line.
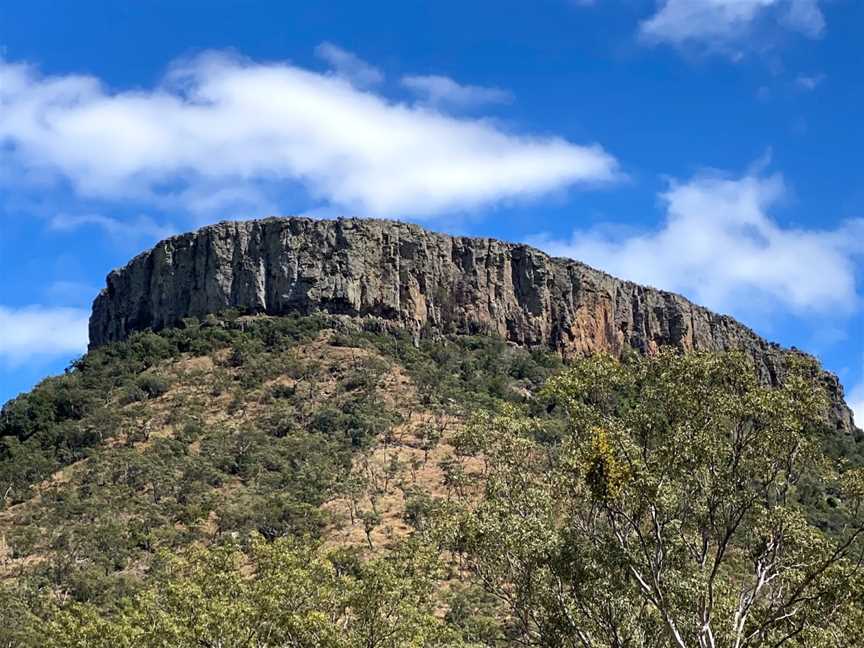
429, 283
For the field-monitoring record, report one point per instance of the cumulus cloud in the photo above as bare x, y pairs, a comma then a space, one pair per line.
725, 24
220, 121
349, 65
41, 332
443, 91
720, 246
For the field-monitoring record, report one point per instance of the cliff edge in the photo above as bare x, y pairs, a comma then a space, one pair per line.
428, 283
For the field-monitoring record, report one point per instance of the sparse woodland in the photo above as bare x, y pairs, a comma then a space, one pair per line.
271, 482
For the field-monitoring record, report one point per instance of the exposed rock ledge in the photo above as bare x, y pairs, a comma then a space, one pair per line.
427, 282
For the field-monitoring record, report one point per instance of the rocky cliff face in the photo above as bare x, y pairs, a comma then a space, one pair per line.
402, 275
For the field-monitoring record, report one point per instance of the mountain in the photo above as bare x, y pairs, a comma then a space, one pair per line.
298, 432
393, 274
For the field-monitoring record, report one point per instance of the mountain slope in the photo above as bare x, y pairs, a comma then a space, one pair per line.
286, 427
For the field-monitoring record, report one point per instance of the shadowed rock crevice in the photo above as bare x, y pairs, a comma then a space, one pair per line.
428, 283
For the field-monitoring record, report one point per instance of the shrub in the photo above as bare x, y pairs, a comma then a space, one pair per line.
151, 385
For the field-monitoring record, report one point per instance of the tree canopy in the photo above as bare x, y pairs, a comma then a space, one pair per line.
668, 515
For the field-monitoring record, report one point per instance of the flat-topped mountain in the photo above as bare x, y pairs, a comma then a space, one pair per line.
395, 274
380, 417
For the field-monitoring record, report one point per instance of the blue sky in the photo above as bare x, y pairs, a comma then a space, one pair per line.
703, 146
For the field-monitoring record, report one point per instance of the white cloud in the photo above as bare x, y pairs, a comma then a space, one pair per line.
142, 227
220, 121
804, 16
726, 24
720, 246
443, 91
349, 65
37, 331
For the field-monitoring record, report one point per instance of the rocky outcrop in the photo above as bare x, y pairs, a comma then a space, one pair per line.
403, 275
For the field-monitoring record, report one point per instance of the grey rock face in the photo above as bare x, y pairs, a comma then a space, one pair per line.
403, 275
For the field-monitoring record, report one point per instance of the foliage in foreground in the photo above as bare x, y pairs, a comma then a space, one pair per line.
668, 516
284, 593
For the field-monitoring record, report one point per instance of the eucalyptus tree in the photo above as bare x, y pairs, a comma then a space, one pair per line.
669, 513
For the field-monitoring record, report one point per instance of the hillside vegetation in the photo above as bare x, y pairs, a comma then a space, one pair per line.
296, 481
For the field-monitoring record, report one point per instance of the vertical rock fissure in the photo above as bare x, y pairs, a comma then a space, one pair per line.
407, 276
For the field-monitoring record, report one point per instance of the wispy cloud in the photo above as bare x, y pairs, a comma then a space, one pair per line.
349, 65
809, 83
137, 229
729, 25
41, 332
719, 245
855, 400
221, 121
855, 395
443, 91
70, 293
